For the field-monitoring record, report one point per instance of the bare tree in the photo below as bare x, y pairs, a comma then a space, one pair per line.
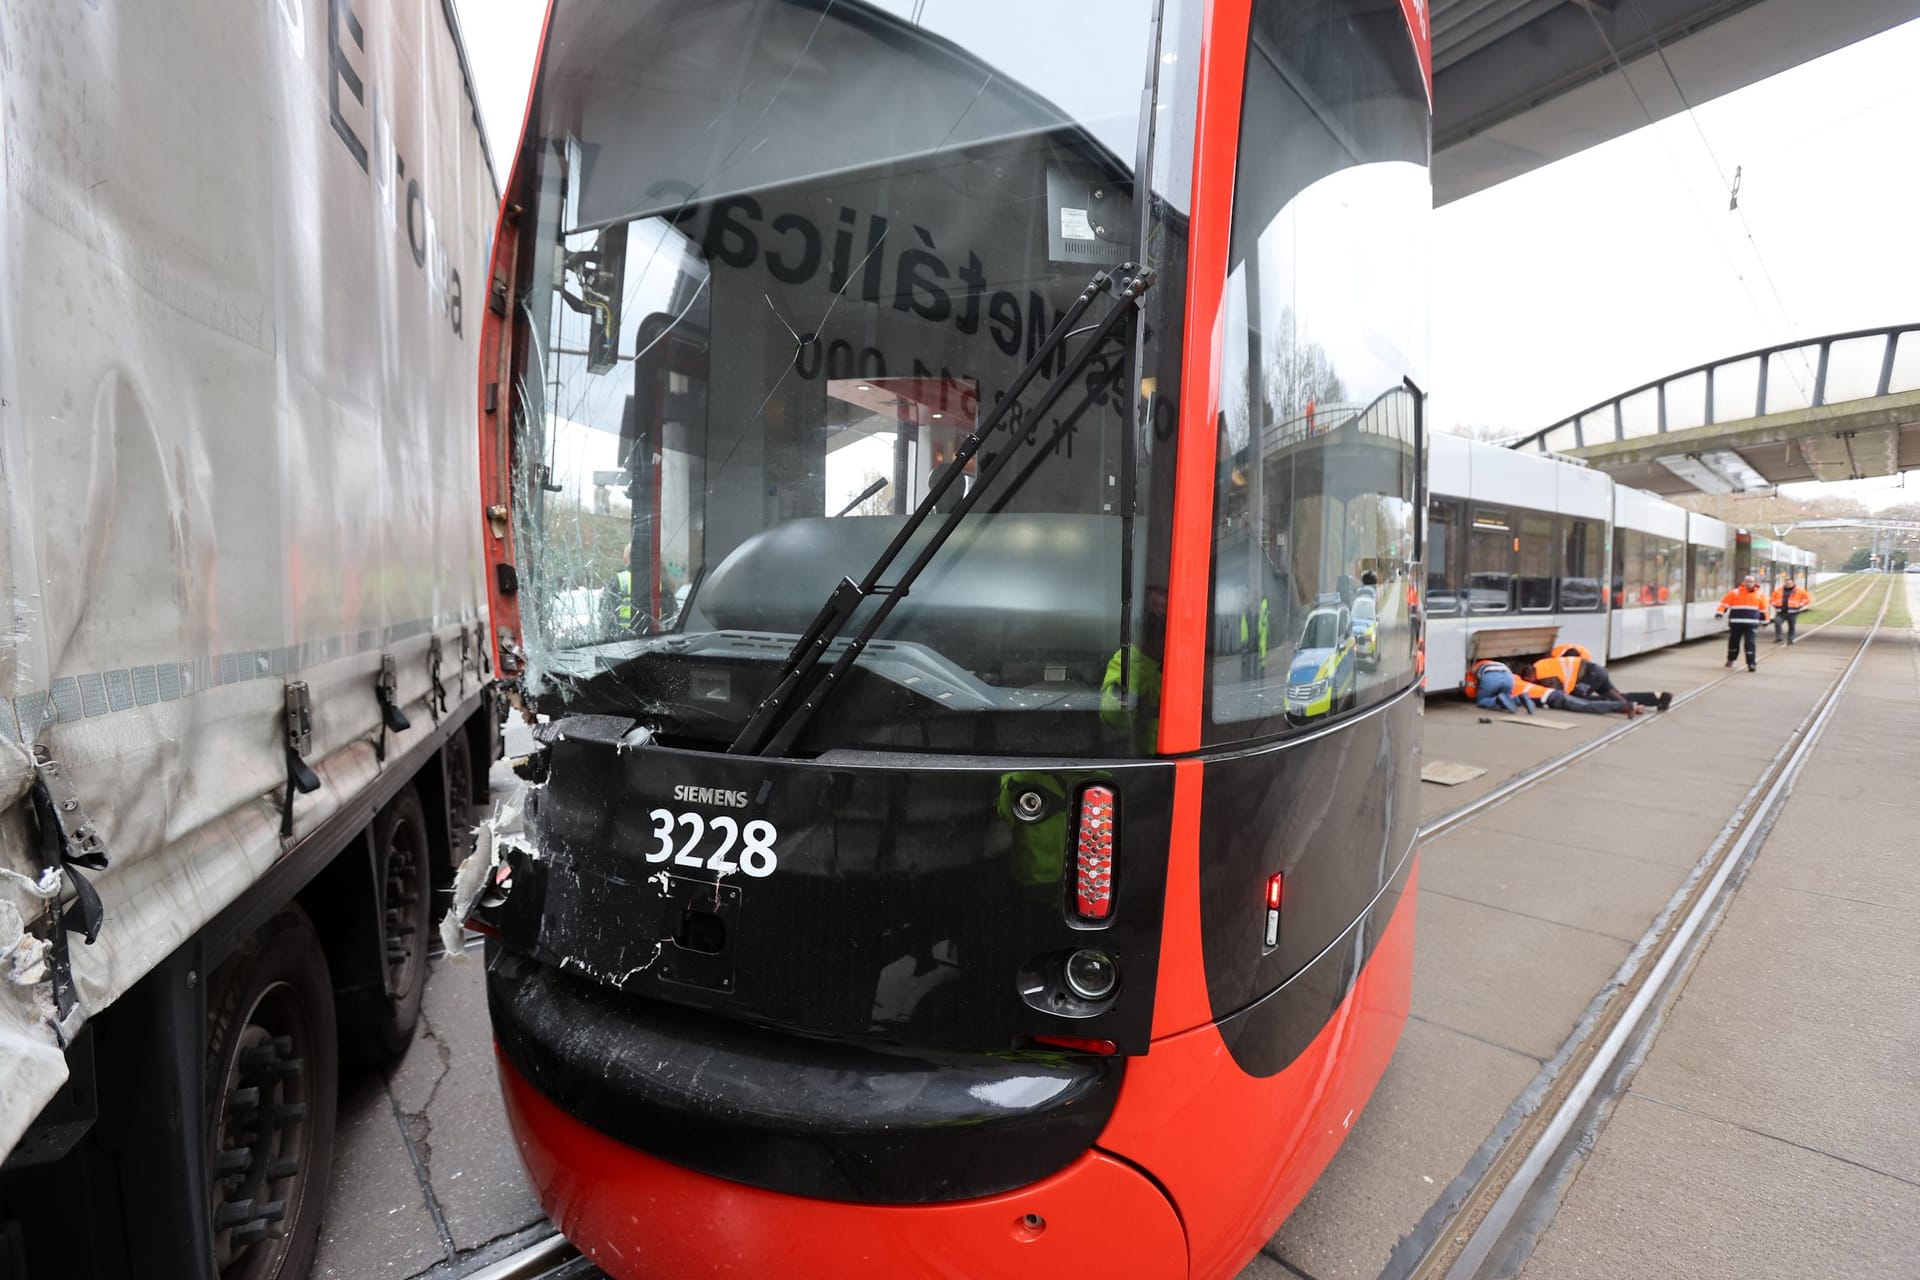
1297, 372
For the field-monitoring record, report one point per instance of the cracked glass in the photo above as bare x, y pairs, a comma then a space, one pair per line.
783, 258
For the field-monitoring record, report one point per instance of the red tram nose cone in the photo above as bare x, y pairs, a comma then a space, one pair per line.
1093, 862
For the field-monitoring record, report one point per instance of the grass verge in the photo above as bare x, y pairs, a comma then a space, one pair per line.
1894, 596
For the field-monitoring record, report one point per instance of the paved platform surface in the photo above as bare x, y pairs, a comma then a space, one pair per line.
1766, 1098
1774, 1127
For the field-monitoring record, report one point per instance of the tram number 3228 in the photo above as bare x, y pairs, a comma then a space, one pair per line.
755, 839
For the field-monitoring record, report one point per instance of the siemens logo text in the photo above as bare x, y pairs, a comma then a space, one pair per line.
710, 795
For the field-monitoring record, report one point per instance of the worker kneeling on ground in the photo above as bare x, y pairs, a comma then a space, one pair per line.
1493, 685
1570, 667
1789, 598
1745, 609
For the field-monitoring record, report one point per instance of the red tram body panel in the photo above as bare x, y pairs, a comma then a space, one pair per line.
962, 471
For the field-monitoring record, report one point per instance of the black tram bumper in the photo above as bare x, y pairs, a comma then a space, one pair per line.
814, 1118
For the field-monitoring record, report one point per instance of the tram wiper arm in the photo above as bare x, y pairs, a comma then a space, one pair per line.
766, 733
879, 483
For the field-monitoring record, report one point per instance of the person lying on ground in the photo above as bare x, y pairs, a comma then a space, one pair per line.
1571, 667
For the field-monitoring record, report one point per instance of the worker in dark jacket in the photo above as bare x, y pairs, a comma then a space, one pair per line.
1789, 598
1745, 609
1494, 686
1571, 667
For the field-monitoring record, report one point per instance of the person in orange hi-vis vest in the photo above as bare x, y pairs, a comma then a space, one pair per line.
1493, 685
1570, 667
1789, 598
1745, 609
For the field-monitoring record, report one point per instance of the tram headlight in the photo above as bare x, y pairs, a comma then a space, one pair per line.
1092, 975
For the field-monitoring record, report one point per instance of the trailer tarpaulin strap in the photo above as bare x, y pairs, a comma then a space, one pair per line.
391, 716
59, 852
437, 699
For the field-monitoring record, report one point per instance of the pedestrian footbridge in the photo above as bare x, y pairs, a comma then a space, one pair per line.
1842, 407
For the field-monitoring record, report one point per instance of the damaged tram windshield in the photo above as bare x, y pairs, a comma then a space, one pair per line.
783, 258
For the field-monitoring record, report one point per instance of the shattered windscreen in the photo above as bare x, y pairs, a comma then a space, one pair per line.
783, 258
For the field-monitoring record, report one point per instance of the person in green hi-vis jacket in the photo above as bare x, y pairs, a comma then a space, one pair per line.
1040, 845
1253, 656
1135, 708
1130, 707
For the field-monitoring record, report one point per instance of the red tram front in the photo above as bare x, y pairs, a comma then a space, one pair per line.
957, 472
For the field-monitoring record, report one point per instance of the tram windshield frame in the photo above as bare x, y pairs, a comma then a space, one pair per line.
748, 337
753, 333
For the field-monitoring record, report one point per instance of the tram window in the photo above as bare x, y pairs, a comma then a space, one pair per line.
1649, 570
1582, 567
1536, 562
1670, 571
1490, 555
1324, 319
1626, 550
1444, 555
1712, 574
1633, 586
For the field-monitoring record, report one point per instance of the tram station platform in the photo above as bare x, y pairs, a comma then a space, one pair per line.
1760, 1125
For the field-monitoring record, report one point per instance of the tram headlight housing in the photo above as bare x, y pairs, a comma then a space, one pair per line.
1091, 975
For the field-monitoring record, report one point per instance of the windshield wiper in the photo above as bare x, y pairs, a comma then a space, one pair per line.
879, 483
766, 733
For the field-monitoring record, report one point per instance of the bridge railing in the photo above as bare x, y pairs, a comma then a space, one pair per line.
1795, 375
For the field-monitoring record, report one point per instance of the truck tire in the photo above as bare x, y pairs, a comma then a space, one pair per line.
272, 1084
379, 1024
459, 758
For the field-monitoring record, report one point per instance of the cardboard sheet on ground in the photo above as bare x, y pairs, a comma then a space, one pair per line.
1449, 773
1535, 720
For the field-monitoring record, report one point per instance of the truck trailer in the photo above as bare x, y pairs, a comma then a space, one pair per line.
247, 690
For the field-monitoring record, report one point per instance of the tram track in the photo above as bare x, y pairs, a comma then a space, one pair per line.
552, 1257
1485, 1223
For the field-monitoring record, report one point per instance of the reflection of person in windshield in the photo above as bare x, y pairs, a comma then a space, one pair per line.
616, 600
1131, 704
1255, 631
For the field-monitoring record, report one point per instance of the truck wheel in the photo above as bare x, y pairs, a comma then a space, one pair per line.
459, 757
272, 1080
382, 1026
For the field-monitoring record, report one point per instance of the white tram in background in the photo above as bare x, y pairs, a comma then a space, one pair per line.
1526, 550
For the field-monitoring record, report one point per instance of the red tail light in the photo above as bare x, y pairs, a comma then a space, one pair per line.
1093, 855
1273, 911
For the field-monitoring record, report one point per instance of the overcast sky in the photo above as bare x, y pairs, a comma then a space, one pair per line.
1623, 263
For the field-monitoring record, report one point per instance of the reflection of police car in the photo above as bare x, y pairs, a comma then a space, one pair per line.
1366, 630
1320, 681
